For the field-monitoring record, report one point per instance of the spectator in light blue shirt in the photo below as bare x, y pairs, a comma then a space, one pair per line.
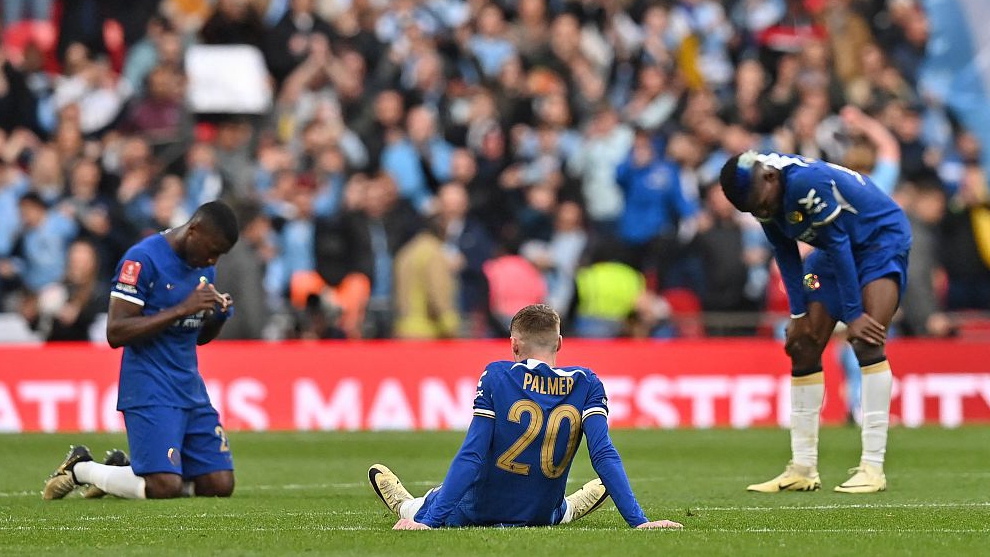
489, 46
143, 56
39, 254
10, 217
331, 176
420, 162
296, 249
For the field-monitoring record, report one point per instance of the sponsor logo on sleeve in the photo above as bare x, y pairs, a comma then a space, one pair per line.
812, 203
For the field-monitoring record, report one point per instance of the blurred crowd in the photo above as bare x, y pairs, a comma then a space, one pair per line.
425, 168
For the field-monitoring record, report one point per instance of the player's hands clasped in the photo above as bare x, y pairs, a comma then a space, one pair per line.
201, 299
407, 524
867, 329
224, 300
660, 524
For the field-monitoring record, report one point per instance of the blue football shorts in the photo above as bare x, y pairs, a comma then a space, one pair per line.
822, 286
189, 442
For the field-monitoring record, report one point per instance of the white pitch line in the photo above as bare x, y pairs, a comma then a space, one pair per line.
838, 506
262, 487
20, 493
241, 516
316, 528
430, 483
850, 531
298, 487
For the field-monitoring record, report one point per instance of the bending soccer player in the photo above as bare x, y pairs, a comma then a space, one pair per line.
856, 275
162, 305
512, 468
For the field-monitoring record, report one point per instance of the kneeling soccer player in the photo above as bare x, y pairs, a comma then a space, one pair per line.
162, 305
512, 468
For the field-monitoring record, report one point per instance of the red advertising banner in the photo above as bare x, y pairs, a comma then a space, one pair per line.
415, 385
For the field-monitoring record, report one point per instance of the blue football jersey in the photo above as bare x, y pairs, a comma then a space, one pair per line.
838, 211
162, 369
538, 411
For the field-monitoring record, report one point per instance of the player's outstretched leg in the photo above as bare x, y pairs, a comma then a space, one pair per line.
388, 487
585, 500
62, 481
114, 457
794, 478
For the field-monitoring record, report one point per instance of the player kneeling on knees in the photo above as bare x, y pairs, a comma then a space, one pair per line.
162, 305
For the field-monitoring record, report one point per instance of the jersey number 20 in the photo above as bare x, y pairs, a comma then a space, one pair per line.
551, 470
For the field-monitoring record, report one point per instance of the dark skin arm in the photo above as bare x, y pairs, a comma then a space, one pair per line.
880, 299
811, 331
212, 324
126, 325
864, 327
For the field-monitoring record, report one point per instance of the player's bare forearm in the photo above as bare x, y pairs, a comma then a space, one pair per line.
126, 325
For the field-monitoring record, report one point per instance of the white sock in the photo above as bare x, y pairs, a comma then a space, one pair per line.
568, 513
877, 380
189, 489
115, 480
806, 406
408, 509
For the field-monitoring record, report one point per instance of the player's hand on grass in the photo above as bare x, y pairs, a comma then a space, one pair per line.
201, 299
867, 329
406, 524
656, 524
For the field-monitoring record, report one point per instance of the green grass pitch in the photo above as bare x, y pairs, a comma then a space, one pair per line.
307, 493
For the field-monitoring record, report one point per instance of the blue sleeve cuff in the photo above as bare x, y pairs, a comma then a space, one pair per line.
223, 316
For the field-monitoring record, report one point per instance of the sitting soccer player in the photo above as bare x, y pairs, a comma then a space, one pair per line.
162, 305
512, 468
856, 275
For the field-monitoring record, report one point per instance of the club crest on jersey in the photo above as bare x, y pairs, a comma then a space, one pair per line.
129, 272
795, 217
811, 282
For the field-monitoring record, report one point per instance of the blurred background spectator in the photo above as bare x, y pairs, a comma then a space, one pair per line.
561, 151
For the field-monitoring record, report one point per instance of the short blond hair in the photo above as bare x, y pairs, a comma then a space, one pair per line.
538, 324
